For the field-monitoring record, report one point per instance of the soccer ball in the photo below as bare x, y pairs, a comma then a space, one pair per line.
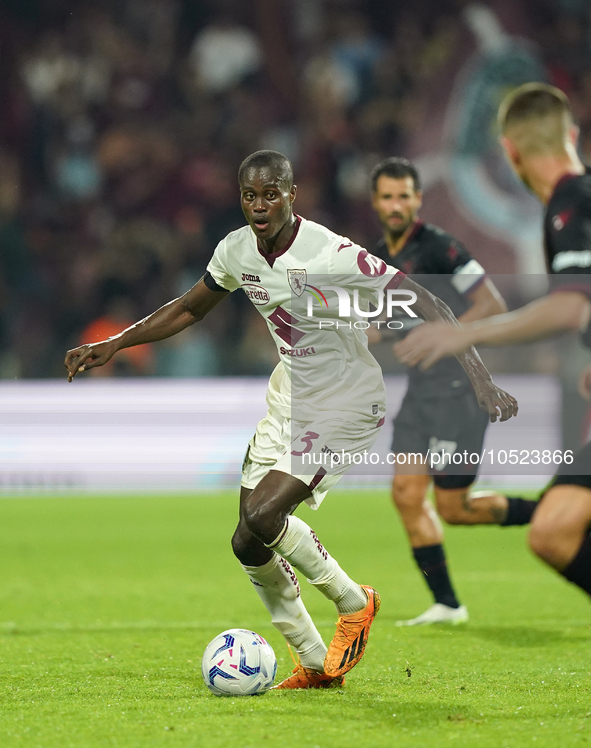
238, 663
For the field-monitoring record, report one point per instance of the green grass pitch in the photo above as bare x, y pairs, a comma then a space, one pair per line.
106, 605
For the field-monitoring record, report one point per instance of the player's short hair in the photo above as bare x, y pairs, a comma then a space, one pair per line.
395, 168
276, 161
536, 117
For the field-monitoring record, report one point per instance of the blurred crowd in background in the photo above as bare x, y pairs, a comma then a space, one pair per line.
123, 123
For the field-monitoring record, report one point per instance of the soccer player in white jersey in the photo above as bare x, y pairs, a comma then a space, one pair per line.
326, 396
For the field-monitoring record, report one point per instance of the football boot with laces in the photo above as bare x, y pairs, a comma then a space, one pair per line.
348, 644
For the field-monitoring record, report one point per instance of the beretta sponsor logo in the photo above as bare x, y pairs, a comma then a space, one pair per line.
257, 294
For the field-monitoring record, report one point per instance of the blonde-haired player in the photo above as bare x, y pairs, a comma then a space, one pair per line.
539, 137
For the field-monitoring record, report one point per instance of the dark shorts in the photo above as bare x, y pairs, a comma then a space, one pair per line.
451, 423
578, 473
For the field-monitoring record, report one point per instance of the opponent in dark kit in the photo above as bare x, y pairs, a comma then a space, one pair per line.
539, 138
440, 412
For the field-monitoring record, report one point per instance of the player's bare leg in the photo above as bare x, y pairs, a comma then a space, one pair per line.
559, 533
278, 587
422, 525
266, 515
247, 548
461, 506
456, 506
409, 495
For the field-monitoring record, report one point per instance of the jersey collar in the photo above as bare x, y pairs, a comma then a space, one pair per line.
274, 255
566, 178
415, 230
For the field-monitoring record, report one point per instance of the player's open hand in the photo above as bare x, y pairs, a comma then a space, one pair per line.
497, 403
430, 342
88, 356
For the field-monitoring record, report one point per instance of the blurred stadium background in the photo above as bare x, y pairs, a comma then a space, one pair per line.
122, 126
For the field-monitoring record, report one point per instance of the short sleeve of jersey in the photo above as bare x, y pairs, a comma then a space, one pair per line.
454, 259
355, 267
219, 269
569, 237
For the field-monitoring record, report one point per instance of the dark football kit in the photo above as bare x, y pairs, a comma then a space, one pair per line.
440, 412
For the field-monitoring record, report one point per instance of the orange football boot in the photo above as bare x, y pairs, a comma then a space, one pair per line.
348, 644
303, 677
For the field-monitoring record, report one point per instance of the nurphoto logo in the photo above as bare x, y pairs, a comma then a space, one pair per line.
350, 306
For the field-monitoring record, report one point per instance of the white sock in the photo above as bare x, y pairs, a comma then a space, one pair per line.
278, 588
299, 545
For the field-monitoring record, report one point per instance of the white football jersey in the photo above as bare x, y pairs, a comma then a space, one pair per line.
325, 366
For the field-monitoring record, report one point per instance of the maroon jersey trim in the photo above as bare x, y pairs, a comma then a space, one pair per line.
317, 478
274, 255
395, 280
416, 226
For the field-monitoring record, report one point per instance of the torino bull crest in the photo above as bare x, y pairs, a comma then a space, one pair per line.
297, 281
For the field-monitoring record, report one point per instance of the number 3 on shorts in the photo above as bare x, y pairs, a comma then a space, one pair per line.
307, 439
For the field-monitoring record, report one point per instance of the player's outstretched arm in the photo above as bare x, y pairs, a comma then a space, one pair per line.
554, 314
163, 323
485, 301
497, 402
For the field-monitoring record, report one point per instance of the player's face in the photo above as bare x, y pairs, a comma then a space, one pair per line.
396, 202
266, 201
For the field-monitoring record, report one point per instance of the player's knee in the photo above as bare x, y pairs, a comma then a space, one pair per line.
545, 541
254, 517
248, 549
408, 492
240, 543
451, 513
451, 505
259, 519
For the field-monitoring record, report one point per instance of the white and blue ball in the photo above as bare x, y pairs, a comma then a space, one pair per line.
238, 663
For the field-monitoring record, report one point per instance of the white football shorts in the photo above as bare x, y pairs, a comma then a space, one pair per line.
318, 453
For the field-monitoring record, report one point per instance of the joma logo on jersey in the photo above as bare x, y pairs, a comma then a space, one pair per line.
252, 278
334, 457
257, 294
